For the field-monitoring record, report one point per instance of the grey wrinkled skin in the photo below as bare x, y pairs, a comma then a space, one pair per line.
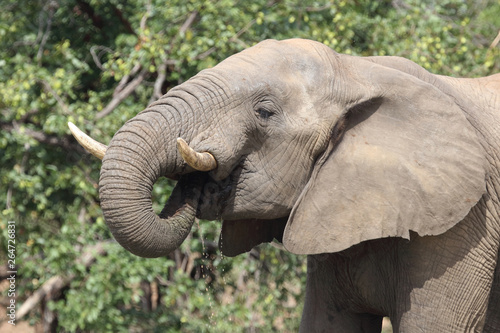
384, 174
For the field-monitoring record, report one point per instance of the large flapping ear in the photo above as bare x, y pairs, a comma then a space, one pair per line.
408, 160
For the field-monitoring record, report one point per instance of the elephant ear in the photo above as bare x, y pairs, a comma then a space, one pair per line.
408, 160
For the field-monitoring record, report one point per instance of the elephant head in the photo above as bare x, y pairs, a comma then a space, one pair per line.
293, 141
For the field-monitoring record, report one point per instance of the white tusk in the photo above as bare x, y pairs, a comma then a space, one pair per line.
198, 161
92, 146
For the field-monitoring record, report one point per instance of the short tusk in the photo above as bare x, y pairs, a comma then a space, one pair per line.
198, 161
92, 146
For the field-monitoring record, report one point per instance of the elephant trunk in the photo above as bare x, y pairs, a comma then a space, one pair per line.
143, 150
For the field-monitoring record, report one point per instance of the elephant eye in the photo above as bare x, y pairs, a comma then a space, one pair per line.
263, 113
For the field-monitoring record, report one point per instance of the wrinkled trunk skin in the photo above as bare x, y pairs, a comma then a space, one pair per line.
140, 152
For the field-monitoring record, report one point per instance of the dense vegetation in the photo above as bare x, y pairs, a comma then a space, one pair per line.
97, 63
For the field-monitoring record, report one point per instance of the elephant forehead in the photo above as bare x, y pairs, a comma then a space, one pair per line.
273, 57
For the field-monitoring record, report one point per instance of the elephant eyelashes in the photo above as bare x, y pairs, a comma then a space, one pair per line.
263, 113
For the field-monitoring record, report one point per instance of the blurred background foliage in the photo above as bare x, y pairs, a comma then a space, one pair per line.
97, 63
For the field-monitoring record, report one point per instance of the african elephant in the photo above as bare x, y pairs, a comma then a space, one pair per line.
385, 175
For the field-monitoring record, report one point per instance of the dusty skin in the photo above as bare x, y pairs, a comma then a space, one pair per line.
384, 174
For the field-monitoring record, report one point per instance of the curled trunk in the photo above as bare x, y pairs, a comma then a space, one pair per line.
140, 152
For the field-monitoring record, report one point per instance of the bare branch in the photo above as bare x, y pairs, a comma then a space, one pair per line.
123, 82
40, 33
144, 19
124, 93
189, 21
495, 41
162, 68
162, 75
51, 285
56, 283
184, 27
205, 54
8, 204
51, 6
97, 57
125, 88
65, 142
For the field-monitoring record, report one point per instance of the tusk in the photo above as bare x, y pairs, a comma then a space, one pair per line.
198, 161
92, 146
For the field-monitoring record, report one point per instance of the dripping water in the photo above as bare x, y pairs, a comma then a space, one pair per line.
206, 267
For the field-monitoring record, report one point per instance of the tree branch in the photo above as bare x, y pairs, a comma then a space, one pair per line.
495, 41
123, 82
58, 282
162, 76
51, 10
162, 68
144, 19
184, 27
124, 93
50, 286
188, 23
65, 141
124, 89
97, 57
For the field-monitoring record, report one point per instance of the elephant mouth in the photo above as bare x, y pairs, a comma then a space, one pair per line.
217, 195
238, 235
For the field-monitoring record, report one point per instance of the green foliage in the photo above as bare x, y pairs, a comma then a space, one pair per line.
67, 60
